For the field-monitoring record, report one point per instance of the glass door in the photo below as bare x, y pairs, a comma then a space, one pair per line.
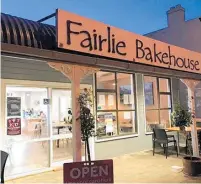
62, 126
27, 129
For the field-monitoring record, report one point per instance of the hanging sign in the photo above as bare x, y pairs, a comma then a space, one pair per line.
13, 106
14, 126
84, 35
100, 171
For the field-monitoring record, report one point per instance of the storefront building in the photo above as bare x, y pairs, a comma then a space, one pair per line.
43, 70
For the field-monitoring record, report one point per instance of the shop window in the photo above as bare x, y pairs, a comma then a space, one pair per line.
106, 101
157, 101
26, 106
115, 101
198, 102
105, 80
27, 156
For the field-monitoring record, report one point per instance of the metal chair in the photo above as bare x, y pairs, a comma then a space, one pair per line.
4, 157
160, 136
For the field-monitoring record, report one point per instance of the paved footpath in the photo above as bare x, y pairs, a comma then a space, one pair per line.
140, 167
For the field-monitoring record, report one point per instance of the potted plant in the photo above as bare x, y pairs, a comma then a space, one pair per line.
183, 118
180, 117
86, 119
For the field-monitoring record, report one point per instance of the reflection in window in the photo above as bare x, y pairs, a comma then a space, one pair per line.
164, 85
65, 149
165, 101
125, 91
61, 105
113, 119
157, 101
165, 118
198, 101
105, 80
151, 92
26, 157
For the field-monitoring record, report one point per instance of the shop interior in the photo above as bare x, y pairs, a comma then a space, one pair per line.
30, 149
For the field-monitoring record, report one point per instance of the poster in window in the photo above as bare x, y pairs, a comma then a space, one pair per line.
13, 106
126, 99
148, 90
102, 100
14, 126
110, 100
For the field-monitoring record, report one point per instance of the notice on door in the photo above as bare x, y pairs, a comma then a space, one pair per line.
14, 126
13, 106
100, 171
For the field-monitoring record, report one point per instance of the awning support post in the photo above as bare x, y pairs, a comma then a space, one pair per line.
75, 73
191, 84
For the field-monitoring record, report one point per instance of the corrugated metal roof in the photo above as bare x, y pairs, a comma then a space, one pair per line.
19, 31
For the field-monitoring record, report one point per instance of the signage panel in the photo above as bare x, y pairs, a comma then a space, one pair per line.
100, 171
84, 35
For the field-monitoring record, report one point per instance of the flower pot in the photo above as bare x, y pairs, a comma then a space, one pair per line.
192, 166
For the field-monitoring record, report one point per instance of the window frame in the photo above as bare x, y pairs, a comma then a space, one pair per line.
159, 109
117, 110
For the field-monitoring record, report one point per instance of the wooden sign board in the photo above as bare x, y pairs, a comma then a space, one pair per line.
100, 171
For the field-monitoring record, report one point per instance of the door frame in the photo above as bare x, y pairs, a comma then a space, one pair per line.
40, 84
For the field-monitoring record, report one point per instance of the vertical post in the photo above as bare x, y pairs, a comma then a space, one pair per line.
77, 145
75, 73
191, 84
193, 126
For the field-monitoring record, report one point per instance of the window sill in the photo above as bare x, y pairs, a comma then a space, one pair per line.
116, 138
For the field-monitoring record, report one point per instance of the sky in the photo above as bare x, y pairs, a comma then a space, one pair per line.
139, 16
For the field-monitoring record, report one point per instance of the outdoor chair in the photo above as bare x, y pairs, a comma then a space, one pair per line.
161, 137
4, 157
159, 126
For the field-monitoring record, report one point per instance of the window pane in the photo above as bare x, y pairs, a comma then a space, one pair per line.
127, 122
151, 92
26, 157
198, 100
26, 106
164, 85
165, 118
105, 80
106, 124
106, 101
152, 117
61, 106
125, 91
65, 149
165, 101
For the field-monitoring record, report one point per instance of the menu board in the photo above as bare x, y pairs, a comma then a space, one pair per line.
13, 106
14, 126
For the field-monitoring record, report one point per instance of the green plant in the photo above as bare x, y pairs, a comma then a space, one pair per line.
86, 119
180, 116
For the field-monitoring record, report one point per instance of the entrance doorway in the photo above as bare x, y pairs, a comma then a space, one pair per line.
45, 137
